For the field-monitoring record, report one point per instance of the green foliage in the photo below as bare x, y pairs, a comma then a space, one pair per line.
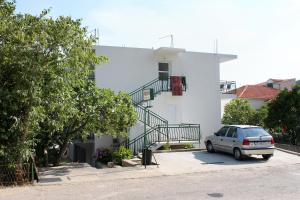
166, 146
284, 113
258, 116
46, 99
239, 111
122, 153
188, 146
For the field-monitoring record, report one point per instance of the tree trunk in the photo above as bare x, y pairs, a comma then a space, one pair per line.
62, 150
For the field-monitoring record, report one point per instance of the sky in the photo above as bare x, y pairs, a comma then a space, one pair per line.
264, 34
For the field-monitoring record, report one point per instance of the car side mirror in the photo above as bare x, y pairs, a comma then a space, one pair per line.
216, 134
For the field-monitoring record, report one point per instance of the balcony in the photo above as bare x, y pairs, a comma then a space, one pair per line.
228, 87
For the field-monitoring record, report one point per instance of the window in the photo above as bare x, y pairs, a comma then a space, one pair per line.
231, 132
163, 71
222, 131
254, 132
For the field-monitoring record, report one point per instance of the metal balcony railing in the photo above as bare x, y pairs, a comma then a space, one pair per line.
228, 87
168, 133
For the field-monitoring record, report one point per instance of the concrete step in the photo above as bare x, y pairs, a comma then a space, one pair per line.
128, 163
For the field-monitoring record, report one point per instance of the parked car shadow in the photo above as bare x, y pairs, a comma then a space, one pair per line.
220, 158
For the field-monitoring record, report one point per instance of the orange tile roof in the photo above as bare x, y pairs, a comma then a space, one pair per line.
257, 92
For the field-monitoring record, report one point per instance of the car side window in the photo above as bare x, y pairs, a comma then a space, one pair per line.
231, 132
222, 132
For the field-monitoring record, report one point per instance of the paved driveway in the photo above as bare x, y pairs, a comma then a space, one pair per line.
186, 175
200, 161
174, 163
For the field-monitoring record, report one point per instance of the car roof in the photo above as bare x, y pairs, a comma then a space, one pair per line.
243, 126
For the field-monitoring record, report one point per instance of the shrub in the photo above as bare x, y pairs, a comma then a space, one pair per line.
188, 146
166, 146
122, 153
103, 155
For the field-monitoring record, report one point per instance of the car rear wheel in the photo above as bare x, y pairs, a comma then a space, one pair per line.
267, 156
209, 147
237, 154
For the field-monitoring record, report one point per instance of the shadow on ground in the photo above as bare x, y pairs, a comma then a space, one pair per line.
53, 174
219, 158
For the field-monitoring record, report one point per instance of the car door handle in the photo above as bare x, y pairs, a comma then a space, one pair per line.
221, 139
233, 141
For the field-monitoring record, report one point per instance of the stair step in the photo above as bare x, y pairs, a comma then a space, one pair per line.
128, 163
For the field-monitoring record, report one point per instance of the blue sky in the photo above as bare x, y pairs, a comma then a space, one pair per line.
265, 34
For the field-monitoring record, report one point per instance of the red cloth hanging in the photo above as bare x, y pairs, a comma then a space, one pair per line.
176, 85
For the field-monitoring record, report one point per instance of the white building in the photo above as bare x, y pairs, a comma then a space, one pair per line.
131, 68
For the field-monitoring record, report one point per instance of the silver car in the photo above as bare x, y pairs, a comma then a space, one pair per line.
241, 140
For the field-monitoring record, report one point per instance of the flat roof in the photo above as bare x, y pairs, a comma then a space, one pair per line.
222, 57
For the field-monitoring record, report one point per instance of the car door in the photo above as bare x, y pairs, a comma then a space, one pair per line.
230, 139
219, 139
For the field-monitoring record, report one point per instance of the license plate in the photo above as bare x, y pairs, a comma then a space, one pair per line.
259, 143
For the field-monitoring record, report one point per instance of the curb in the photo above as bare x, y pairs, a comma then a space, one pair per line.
177, 150
287, 151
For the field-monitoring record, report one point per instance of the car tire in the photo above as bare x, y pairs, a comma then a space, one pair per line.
209, 147
267, 156
237, 154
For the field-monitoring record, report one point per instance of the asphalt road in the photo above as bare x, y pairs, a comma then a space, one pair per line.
277, 182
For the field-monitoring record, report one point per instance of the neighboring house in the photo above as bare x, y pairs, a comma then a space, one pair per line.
280, 84
258, 94
298, 82
185, 86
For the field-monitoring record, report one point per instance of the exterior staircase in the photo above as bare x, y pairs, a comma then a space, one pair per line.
157, 130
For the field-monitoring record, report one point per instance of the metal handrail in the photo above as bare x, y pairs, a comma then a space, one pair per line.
182, 132
152, 135
144, 86
152, 119
157, 85
164, 133
159, 127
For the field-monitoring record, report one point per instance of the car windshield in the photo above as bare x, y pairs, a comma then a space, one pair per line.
254, 132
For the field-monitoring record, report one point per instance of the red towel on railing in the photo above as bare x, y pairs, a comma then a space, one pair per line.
176, 85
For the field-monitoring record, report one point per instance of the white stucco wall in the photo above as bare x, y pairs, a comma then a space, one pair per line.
130, 68
103, 141
256, 103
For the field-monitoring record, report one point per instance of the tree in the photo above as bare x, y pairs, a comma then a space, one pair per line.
258, 116
90, 110
237, 111
46, 98
284, 114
